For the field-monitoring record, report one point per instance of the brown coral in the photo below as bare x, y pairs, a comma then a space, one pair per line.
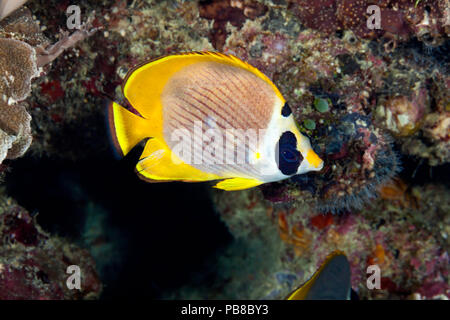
396, 190
15, 131
21, 26
17, 68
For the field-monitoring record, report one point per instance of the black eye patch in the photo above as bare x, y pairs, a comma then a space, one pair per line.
286, 110
288, 157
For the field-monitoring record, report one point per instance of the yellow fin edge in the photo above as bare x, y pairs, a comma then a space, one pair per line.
234, 184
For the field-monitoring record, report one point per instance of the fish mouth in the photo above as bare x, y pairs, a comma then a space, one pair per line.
314, 161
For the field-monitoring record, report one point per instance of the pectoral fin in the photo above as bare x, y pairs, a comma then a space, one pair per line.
234, 184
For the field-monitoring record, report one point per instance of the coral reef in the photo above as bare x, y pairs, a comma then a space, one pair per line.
412, 253
427, 20
24, 50
234, 12
371, 101
365, 100
18, 67
33, 264
343, 185
338, 87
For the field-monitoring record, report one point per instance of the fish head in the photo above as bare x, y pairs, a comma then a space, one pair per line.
285, 150
295, 154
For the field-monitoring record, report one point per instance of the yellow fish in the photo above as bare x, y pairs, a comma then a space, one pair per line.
332, 281
209, 116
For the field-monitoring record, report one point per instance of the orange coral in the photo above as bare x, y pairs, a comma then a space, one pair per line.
295, 236
398, 191
333, 237
283, 227
378, 256
321, 221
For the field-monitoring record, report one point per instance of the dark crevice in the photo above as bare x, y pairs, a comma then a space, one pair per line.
153, 237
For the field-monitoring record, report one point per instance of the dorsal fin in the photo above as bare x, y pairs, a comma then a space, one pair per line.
144, 83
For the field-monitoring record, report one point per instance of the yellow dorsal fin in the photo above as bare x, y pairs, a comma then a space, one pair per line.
233, 184
144, 84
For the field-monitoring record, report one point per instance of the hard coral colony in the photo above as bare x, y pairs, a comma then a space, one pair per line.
371, 101
24, 51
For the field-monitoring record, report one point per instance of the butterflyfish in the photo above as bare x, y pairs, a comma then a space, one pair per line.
209, 116
332, 281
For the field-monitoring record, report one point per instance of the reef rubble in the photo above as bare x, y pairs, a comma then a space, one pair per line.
34, 264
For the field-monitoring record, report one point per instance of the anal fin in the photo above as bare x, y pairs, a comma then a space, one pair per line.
233, 184
159, 164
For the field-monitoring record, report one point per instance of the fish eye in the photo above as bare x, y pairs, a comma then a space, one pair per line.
286, 110
287, 156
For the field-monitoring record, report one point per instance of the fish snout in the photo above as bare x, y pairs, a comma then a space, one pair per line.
313, 160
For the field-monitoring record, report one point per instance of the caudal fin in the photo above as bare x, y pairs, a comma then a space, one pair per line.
126, 128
